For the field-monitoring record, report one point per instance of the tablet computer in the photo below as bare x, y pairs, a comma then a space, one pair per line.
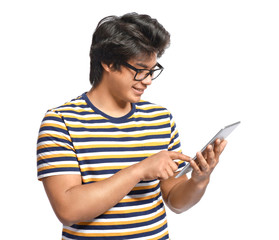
222, 134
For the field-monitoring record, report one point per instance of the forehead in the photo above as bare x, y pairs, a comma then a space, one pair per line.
144, 61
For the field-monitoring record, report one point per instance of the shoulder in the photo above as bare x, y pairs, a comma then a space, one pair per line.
77, 104
146, 106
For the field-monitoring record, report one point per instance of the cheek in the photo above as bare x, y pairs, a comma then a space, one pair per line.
121, 85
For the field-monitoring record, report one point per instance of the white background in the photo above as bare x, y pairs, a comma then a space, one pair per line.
222, 67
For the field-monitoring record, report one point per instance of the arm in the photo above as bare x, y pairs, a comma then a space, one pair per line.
74, 202
181, 194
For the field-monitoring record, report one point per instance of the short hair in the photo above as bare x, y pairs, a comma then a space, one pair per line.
118, 39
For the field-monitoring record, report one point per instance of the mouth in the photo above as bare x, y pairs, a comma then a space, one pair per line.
139, 91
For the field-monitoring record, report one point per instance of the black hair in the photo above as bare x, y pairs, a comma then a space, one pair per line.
118, 39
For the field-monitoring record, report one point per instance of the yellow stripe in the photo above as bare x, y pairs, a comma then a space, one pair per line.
81, 103
150, 107
102, 168
54, 136
145, 187
121, 135
133, 210
147, 144
58, 166
149, 115
53, 145
62, 109
119, 127
53, 125
80, 117
114, 234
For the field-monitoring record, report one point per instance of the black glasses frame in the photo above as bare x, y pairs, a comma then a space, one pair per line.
137, 70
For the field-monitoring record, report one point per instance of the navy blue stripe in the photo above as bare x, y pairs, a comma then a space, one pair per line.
134, 214
111, 160
130, 129
77, 112
143, 191
55, 129
122, 226
104, 120
56, 118
49, 149
138, 203
56, 139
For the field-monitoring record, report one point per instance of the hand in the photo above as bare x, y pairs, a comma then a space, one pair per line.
160, 165
207, 161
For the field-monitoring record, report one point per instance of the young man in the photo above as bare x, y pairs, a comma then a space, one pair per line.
108, 159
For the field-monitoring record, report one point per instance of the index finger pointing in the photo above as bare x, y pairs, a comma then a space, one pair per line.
178, 155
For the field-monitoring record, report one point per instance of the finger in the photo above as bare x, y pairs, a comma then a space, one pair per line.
195, 167
219, 147
170, 172
204, 153
174, 166
210, 156
202, 162
163, 176
223, 144
177, 155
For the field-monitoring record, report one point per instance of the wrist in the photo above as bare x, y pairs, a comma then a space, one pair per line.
201, 184
137, 171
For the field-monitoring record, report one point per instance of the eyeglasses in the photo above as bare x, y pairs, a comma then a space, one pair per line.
142, 74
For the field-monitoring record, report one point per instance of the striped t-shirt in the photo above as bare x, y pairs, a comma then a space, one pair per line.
78, 138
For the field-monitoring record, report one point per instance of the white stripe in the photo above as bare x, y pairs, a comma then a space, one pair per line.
127, 124
114, 154
57, 163
121, 142
155, 235
140, 132
49, 153
128, 219
109, 164
57, 173
51, 132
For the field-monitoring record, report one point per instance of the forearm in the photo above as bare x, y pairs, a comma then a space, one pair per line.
186, 194
85, 202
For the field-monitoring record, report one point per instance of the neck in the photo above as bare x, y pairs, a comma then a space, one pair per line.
108, 104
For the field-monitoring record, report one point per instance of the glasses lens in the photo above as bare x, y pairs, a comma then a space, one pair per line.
156, 73
145, 73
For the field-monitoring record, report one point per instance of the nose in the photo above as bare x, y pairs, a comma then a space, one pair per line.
147, 81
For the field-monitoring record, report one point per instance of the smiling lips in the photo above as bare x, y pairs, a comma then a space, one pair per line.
139, 90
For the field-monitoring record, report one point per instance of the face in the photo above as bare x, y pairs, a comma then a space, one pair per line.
122, 85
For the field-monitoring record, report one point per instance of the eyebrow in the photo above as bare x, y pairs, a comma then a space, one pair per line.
144, 66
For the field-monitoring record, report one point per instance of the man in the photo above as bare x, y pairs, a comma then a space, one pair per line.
108, 159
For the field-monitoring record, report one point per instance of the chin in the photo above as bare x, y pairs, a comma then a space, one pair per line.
135, 99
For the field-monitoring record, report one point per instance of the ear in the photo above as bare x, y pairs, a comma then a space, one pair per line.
106, 67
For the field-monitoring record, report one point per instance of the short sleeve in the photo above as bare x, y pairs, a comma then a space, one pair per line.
174, 144
55, 152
